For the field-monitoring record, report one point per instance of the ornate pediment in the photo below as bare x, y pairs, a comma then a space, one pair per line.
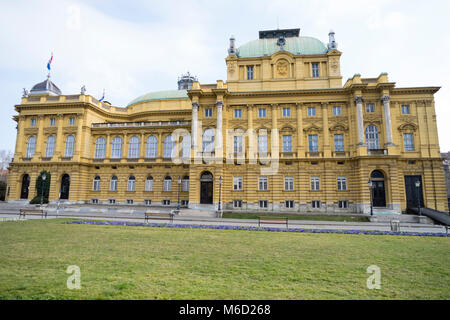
407, 127
312, 128
338, 127
372, 118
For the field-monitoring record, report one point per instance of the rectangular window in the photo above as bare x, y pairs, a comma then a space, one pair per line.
287, 143
71, 121
337, 110
315, 204
33, 122
237, 203
166, 202
52, 121
208, 113
262, 144
311, 111
184, 203
131, 184
130, 201
408, 141
94, 201
148, 202
262, 112
342, 183
237, 183
263, 183
289, 203
112, 201
370, 107
238, 113
96, 186
185, 185
249, 72
315, 183
405, 109
149, 185
263, 203
288, 183
286, 112
343, 204
338, 142
315, 70
167, 185
237, 143
313, 143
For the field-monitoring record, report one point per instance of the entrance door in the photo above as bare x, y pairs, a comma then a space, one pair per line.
25, 187
378, 189
65, 186
379, 194
413, 194
206, 188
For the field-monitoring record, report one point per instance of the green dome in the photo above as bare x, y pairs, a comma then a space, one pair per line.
161, 95
295, 45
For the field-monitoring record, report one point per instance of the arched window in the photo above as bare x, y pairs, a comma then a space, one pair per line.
113, 184
208, 140
186, 147
151, 147
167, 184
116, 148
133, 148
50, 147
31, 146
149, 183
100, 145
70, 141
185, 184
169, 145
96, 185
376, 174
262, 144
131, 183
372, 137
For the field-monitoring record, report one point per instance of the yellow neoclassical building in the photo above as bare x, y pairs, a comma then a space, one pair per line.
281, 134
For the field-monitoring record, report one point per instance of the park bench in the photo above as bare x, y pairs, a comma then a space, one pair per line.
158, 215
32, 212
273, 220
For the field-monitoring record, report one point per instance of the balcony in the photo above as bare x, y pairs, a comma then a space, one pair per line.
108, 125
377, 152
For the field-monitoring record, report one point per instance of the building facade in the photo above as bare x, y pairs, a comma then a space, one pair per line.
281, 134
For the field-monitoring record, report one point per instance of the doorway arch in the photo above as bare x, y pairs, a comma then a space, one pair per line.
25, 186
65, 187
206, 188
378, 189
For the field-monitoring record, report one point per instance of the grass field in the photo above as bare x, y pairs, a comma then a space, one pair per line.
120, 262
238, 215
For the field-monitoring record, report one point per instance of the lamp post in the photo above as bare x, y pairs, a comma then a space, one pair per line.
179, 185
418, 197
220, 194
370, 183
43, 177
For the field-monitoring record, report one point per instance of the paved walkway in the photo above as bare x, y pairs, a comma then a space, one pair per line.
10, 211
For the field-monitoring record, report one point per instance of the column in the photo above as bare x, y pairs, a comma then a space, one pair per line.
142, 146
20, 140
78, 138
40, 143
108, 147
359, 120
194, 125
251, 139
326, 133
274, 134
59, 152
387, 120
219, 136
300, 151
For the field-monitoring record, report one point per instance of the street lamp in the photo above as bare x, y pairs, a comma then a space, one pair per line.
179, 185
370, 183
43, 177
220, 193
418, 197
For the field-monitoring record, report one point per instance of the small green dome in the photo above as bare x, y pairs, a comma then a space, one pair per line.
294, 45
161, 95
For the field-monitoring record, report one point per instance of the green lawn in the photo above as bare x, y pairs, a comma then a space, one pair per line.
291, 216
120, 262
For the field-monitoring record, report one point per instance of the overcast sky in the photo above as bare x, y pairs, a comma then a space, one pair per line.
132, 47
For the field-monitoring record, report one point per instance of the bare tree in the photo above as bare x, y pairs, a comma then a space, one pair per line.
5, 159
